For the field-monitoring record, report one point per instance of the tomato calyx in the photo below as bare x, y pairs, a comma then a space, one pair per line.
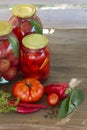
28, 84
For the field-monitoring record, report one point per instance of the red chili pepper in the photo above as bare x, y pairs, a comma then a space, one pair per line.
26, 110
23, 110
58, 88
26, 105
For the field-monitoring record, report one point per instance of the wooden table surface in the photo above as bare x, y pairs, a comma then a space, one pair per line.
68, 60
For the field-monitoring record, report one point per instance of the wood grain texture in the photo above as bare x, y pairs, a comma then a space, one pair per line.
68, 60
44, 1
56, 18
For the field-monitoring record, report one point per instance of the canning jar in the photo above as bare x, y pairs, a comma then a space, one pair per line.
35, 57
25, 21
9, 53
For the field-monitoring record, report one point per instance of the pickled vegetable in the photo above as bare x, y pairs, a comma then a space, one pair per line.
35, 57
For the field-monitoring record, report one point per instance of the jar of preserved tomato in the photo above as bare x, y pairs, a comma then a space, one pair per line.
9, 53
35, 57
25, 21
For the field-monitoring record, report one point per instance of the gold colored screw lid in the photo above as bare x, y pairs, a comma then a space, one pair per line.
35, 41
5, 28
24, 10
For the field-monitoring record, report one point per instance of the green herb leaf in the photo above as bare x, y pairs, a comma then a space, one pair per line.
77, 97
64, 108
15, 45
70, 103
4, 102
71, 108
4, 96
37, 26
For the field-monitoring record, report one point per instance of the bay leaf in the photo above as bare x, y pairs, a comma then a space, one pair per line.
14, 44
77, 97
64, 108
36, 26
70, 103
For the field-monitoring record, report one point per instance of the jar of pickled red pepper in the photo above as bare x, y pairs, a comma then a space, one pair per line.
9, 53
35, 57
25, 21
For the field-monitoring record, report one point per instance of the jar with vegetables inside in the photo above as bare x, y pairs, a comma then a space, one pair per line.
25, 21
9, 53
35, 57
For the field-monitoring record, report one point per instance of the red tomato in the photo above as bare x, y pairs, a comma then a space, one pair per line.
13, 59
6, 45
19, 34
26, 27
4, 49
28, 90
4, 65
53, 99
25, 70
40, 57
14, 21
34, 68
11, 73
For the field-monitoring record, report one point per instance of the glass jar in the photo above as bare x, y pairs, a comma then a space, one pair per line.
9, 53
35, 57
25, 21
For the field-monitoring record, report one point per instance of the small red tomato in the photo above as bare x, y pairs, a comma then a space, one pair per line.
26, 27
13, 59
53, 99
14, 21
4, 65
3, 49
11, 73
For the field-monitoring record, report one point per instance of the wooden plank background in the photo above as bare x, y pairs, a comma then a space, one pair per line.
62, 16
45, 1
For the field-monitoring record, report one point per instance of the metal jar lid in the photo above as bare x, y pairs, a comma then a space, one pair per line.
35, 41
24, 10
5, 28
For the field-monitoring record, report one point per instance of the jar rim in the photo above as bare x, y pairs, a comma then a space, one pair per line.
24, 10
35, 41
5, 28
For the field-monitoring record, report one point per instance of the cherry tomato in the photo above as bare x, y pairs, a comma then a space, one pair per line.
4, 65
52, 99
14, 21
12, 59
4, 48
26, 27
11, 73
28, 90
